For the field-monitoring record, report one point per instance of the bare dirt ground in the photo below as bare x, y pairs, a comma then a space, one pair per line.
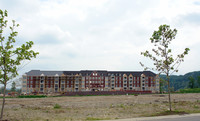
96, 107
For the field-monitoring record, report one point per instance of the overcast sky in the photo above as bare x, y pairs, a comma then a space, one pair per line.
103, 34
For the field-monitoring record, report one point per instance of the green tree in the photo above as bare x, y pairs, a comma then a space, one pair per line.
162, 56
191, 82
198, 81
11, 55
13, 87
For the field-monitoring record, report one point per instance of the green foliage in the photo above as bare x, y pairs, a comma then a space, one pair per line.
11, 55
32, 96
194, 90
13, 87
191, 82
57, 106
181, 81
162, 56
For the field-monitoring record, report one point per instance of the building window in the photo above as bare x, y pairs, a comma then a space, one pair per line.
24, 77
24, 81
63, 85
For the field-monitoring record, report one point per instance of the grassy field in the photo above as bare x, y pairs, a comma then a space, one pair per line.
87, 108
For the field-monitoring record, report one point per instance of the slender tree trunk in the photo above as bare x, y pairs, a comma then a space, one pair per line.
4, 92
169, 93
2, 109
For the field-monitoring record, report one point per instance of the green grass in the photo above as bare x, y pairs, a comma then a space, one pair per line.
8, 97
32, 96
195, 90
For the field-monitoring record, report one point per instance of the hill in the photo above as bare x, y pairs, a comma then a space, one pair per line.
181, 81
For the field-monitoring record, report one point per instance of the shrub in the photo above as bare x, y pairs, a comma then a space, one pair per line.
57, 106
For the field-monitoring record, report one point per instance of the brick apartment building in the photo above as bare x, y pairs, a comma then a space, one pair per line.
88, 80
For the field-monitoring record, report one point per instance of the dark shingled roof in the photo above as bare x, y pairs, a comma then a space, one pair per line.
88, 72
46, 73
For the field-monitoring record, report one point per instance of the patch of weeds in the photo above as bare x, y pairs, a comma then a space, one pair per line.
111, 106
183, 103
196, 106
57, 106
175, 112
122, 106
15, 109
68, 108
155, 105
94, 119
